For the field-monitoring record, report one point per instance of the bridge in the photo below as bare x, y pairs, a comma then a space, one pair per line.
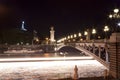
107, 51
98, 50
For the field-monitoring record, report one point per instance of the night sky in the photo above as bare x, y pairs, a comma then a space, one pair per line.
67, 16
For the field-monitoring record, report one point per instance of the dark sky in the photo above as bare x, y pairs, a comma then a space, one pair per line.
67, 16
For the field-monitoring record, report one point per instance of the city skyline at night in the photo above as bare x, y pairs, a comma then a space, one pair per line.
60, 39
66, 16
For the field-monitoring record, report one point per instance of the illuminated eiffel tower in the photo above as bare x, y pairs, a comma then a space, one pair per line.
22, 27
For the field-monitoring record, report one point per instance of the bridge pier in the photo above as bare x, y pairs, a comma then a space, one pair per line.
115, 55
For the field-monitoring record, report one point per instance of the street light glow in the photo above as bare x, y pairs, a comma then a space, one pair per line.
116, 10
75, 35
65, 38
37, 40
79, 34
85, 33
114, 15
23, 22
106, 28
68, 37
93, 31
119, 24
110, 16
71, 36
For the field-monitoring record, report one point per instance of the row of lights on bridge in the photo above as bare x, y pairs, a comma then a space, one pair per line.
114, 15
106, 28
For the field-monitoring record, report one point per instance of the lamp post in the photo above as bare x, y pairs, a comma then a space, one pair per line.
116, 16
86, 33
79, 34
75, 35
106, 29
71, 36
68, 37
93, 32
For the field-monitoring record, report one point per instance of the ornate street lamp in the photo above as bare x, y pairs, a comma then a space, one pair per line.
115, 15
93, 32
106, 29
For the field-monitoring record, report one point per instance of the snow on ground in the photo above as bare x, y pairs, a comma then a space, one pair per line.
49, 69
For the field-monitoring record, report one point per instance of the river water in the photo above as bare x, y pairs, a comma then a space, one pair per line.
43, 70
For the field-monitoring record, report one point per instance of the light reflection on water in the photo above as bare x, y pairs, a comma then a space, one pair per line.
25, 70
